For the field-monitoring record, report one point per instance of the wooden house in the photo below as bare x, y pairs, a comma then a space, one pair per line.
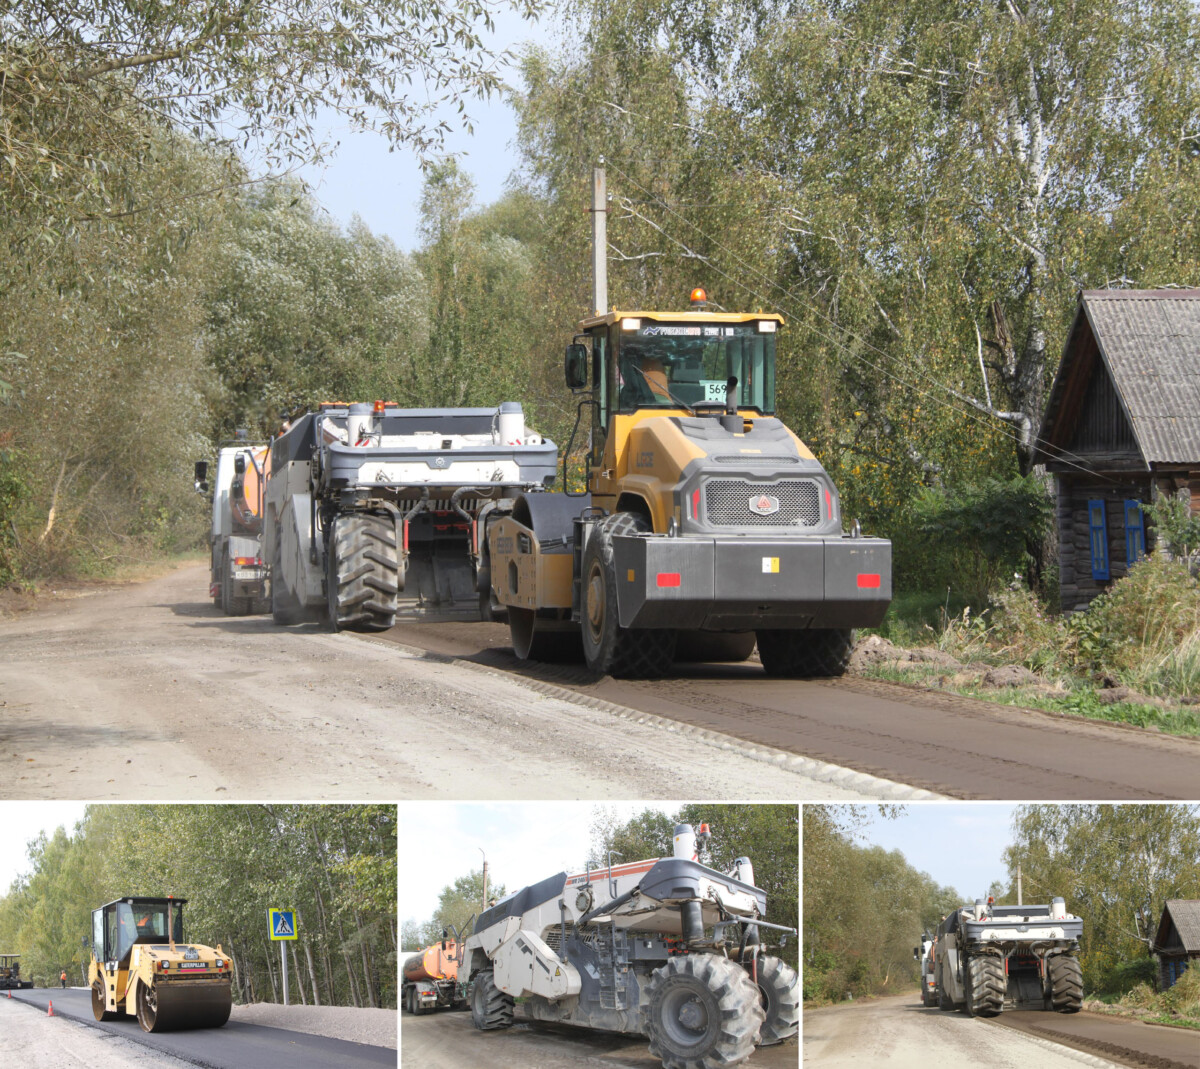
1122, 424
1177, 941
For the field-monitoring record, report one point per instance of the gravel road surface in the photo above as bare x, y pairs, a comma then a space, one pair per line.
898, 1033
147, 691
31, 1040
941, 742
449, 1041
236, 1045
1130, 1042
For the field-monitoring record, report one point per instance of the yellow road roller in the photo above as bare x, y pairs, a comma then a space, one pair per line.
142, 968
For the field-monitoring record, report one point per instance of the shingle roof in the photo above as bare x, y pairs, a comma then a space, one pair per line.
1149, 340
1185, 915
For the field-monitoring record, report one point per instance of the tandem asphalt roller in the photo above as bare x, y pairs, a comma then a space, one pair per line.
141, 967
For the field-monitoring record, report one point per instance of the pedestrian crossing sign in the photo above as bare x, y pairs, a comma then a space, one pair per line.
283, 923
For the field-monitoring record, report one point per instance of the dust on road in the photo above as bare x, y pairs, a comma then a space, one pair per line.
899, 1033
32, 1040
450, 1041
147, 691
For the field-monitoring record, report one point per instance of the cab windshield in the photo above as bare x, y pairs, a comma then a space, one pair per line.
139, 922
672, 365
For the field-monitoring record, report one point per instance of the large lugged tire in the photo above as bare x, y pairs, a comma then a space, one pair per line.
609, 648
703, 1012
812, 653
363, 576
779, 993
985, 986
1066, 983
490, 1007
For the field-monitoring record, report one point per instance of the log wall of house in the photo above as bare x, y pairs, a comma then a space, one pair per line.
1076, 585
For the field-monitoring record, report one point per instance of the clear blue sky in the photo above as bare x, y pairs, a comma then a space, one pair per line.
384, 187
959, 845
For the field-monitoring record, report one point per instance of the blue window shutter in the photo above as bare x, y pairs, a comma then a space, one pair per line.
1135, 532
1098, 531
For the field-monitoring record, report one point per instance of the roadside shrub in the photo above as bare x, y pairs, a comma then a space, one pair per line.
1023, 630
1184, 996
985, 530
1144, 629
1124, 976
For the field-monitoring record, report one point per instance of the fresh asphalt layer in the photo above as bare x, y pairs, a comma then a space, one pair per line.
939, 742
233, 1046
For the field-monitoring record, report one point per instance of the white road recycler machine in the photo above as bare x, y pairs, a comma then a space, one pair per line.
667, 948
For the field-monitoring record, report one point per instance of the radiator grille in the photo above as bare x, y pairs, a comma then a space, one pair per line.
727, 503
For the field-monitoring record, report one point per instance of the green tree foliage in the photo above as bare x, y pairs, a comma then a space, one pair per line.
253, 76
460, 901
334, 865
864, 910
1116, 865
981, 533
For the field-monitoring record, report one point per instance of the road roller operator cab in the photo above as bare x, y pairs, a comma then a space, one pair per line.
141, 967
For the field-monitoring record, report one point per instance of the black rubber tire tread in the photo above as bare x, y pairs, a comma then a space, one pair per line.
1066, 983
363, 577
621, 652
98, 1010
810, 653
490, 1007
779, 992
985, 985
731, 999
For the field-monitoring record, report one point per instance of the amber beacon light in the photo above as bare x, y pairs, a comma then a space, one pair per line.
699, 297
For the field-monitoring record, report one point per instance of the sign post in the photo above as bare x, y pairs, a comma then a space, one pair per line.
282, 923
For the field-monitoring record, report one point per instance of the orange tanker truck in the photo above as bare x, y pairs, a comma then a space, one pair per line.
431, 980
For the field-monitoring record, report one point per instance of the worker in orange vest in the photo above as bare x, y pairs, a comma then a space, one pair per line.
63, 979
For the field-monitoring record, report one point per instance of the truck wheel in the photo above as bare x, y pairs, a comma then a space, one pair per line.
702, 1012
985, 986
1066, 983
609, 648
490, 1007
98, 1010
363, 576
806, 654
779, 993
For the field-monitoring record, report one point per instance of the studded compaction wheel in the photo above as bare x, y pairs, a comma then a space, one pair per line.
609, 648
490, 1007
703, 1012
806, 654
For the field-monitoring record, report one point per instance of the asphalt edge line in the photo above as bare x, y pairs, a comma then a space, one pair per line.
814, 769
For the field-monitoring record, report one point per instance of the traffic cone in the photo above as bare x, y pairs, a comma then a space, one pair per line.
50, 1010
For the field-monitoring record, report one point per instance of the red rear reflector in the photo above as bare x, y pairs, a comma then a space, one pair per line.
668, 579
695, 504
868, 580
828, 505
